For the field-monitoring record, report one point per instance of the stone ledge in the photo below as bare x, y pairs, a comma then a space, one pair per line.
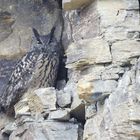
74, 4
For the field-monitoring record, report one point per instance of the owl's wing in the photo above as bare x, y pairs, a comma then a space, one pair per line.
19, 80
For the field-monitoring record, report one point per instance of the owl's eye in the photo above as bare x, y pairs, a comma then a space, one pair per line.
39, 42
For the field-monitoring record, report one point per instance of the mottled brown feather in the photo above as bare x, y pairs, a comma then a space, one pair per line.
38, 68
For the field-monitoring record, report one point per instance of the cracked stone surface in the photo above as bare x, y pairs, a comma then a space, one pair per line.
101, 98
85, 52
109, 89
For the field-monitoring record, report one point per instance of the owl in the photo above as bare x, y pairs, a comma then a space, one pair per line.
37, 68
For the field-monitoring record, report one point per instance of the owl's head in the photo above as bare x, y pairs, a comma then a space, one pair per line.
42, 40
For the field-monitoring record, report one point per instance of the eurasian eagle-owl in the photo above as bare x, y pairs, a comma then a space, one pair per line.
38, 68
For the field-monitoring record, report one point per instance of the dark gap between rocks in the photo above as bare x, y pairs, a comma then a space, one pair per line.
62, 77
79, 112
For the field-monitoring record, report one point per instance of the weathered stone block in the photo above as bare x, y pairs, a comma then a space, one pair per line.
108, 11
78, 24
9, 128
60, 115
86, 52
63, 98
74, 4
22, 108
43, 99
4, 120
92, 91
124, 51
48, 130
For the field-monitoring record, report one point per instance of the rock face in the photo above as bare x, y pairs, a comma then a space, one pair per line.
104, 67
101, 98
48, 130
38, 118
85, 52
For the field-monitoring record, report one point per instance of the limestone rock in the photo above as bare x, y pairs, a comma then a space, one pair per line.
89, 130
120, 33
84, 89
8, 51
4, 120
116, 79
74, 4
112, 72
108, 11
119, 109
115, 33
9, 128
63, 98
18, 133
43, 99
3, 137
90, 111
92, 73
133, 32
124, 51
131, 5
6, 22
60, 115
22, 108
78, 24
55, 129
106, 86
21, 120
87, 52
48, 130
95, 90
36, 102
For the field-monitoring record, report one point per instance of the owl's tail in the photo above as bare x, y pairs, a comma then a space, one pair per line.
9, 111
5, 103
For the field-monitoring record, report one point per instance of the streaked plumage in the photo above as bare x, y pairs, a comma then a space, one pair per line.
38, 68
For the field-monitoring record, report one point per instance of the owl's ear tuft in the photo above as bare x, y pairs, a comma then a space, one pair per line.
52, 34
37, 36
